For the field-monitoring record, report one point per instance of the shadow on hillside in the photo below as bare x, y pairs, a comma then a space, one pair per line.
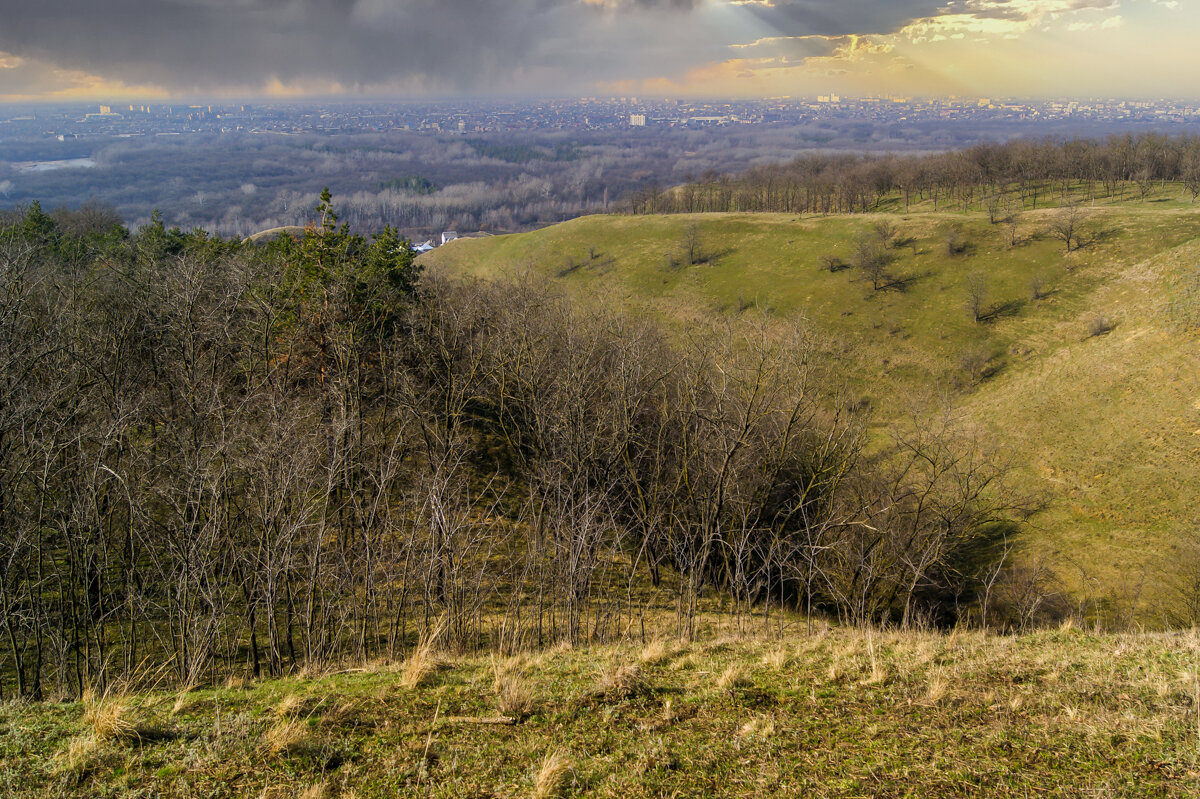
711, 257
904, 282
1102, 236
1003, 310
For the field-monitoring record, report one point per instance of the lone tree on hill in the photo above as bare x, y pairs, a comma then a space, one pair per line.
871, 258
1066, 226
693, 247
977, 296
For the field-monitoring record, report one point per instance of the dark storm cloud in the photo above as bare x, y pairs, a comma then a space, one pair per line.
437, 45
843, 17
453, 44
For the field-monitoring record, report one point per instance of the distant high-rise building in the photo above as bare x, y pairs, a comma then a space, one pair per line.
637, 120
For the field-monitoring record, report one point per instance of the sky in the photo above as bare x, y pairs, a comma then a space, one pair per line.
112, 50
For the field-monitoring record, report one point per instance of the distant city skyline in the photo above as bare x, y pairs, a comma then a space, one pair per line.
148, 50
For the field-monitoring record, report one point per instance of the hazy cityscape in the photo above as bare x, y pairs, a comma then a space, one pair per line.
578, 114
492, 165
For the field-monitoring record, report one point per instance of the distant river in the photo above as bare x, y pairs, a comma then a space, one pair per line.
47, 166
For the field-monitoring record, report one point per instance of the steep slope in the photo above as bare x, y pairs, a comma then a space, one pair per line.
1108, 425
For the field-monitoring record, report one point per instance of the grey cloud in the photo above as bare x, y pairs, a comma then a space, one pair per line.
440, 46
447, 45
821, 17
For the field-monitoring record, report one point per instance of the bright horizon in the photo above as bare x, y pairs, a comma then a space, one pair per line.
351, 50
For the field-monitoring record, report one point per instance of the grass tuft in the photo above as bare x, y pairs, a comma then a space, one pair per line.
939, 687
514, 694
290, 705
107, 715
287, 737
623, 681
80, 756
551, 776
318, 790
424, 660
236, 682
762, 727
777, 659
733, 678
655, 652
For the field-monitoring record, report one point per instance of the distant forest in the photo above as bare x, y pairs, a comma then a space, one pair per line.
423, 184
999, 178
420, 184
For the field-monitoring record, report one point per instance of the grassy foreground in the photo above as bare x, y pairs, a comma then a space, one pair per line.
833, 713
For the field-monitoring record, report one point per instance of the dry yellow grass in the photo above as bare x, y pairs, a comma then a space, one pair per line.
290, 705
879, 672
655, 652
79, 756
778, 658
670, 714
107, 714
318, 790
732, 678
236, 682
939, 686
1121, 706
551, 776
287, 737
762, 727
622, 681
514, 695
423, 661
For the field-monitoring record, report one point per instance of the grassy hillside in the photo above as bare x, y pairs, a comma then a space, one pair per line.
837, 713
1088, 383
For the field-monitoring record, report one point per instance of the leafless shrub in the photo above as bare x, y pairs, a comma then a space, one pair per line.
1037, 286
831, 262
1099, 324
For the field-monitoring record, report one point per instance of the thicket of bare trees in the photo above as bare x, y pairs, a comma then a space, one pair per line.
218, 456
999, 178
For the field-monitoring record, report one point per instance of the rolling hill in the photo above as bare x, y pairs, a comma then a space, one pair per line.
1082, 368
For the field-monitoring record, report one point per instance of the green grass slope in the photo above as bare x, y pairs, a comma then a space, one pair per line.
1109, 427
838, 713
1106, 427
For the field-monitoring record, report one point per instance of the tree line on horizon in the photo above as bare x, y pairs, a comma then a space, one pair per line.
997, 177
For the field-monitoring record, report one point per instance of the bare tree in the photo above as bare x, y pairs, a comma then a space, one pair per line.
977, 296
1066, 225
692, 245
1012, 231
870, 258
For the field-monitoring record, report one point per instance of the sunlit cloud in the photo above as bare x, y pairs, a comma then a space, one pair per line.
24, 79
972, 47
